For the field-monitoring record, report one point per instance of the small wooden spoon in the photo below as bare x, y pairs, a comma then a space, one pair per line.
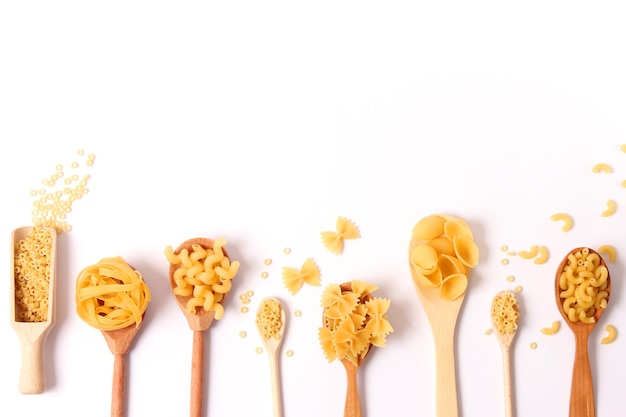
506, 340
581, 395
119, 342
272, 346
352, 406
32, 335
198, 323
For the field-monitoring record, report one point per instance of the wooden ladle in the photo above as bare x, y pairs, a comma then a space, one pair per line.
32, 335
581, 395
352, 406
198, 323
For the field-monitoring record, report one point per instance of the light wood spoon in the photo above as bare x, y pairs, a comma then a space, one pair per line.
352, 406
506, 340
272, 346
442, 316
581, 402
32, 335
198, 323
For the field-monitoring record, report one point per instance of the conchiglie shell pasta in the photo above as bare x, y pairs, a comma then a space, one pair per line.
429, 281
424, 258
429, 227
466, 250
457, 227
442, 245
449, 265
453, 286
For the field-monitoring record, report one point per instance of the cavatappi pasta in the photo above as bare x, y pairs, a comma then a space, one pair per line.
204, 275
352, 321
583, 282
111, 295
268, 319
443, 254
345, 229
32, 261
505, 313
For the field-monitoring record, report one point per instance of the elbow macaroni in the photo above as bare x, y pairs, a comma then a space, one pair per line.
611, 334
602, 167
611, 207
567, 220
609, 251
554, 327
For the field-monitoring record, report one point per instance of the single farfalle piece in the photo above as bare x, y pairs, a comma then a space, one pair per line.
352, 339
376, 312
294, 278
345, 229
338, 305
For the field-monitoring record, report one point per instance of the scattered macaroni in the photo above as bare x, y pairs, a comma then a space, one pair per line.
111, 295
609, 251
554, 327
583, 282
488, 331
204, 275
623, 148
611, 207
443, 252
543, 256
623, 184
529, 254
533, 345
345, 229
268, 319
293, 278
504, 261
32, 261
602, 167
567, 220
611, 334
353, 321
289, 353
505, 313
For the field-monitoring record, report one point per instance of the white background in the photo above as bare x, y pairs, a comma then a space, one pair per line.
262, 121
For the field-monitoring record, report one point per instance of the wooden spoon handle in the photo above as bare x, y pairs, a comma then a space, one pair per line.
353, 405
197, 374
581, 402
119, 383
275, 378
446, 372
508, 390
32, 377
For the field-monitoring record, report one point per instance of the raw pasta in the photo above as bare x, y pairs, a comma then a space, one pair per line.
268, 319
345, 229
505, 313
554, 327
111, 295
567, 220
353, 321
610, 336
443, 254
294, 278
602, 167
608, 250
611, 208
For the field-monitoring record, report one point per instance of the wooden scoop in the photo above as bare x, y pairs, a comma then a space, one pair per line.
581, 395
506, 340
198, 323
32, 335
272, 346
352, 406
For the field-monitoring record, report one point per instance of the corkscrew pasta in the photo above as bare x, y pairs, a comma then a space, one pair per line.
111, 295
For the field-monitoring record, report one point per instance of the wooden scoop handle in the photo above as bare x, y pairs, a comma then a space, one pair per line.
353, 405
197, 374
32, 377
443, 333
581, 402
119, 384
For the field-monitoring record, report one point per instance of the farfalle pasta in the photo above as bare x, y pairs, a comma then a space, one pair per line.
442, 254
353, 320
111, 295
294, 278
345, 229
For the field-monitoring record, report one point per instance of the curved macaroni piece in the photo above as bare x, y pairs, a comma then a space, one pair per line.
543, 256
554, 327
602, 167
111, 295
294, 278
609, 251
529, 254
345, 229
611, 334
567, 220
611, 207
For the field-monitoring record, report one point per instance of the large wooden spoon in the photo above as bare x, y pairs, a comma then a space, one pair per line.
582, 402
272, 346
32, 335
198, 323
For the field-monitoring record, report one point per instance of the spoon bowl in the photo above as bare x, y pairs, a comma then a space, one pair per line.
32, 335
272, 341
198, 323
582, 402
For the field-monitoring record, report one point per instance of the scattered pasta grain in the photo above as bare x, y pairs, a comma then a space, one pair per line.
611, 208
567, 220
543, 256
519, 289
554, 327
528, 254
289, 353
609, 251
510, 278
611, 334
264, 275
533, 345
602, 167
297, 313
623, 148
287, 251
244, 309
489, 331
243, 334
623, 184
259, 350
267, 261
511, 253
504, 248
504, 261
250, 293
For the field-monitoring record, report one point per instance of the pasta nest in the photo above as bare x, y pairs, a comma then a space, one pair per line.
353, 320
111, 295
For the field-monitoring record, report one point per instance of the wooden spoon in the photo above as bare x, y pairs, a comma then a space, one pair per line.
32, 335
506, 340
581, 395
442, 316
352, 406
198, 323
272, 346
